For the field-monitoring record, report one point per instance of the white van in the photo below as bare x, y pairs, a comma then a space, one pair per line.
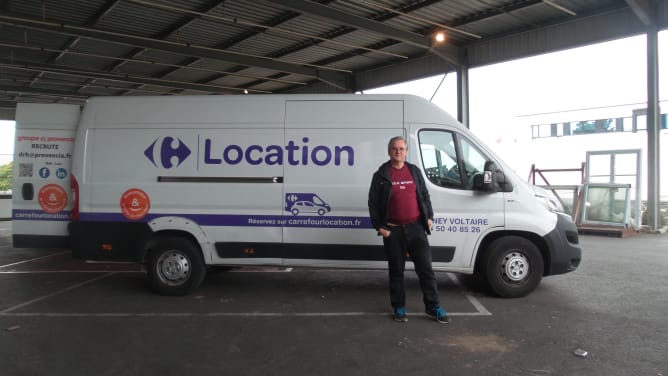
185, 182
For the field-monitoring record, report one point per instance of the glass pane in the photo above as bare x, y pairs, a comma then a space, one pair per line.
545, 130
473, 162
599, 166
439, 158
628, 124
568, 195
566, 129
446, 165
625, 164
641, 122
605, 204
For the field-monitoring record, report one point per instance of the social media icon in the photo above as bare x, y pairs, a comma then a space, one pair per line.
44, 172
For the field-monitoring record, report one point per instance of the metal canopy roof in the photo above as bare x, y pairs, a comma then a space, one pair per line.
67, 50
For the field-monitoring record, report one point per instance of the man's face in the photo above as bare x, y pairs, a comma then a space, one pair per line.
398, 150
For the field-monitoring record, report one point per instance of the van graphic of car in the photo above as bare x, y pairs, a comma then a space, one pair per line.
305, 203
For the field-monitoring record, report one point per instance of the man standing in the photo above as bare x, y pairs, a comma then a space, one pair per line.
401, 212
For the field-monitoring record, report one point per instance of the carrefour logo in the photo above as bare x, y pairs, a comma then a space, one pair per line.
169, 152
162, 153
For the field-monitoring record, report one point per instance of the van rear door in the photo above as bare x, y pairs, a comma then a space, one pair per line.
41, 195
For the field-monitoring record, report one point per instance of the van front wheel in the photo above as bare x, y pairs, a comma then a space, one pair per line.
513, 266
174, 266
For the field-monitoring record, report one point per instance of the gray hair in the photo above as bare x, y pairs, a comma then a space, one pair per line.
396, 138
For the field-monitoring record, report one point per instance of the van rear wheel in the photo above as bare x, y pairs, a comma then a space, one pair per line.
513, 266
175, 266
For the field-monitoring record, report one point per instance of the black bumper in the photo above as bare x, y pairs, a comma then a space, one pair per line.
563, 246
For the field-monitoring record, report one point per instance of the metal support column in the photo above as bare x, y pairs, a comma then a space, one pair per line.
463, 94
653, 117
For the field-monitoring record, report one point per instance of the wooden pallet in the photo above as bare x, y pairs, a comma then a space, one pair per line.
611, 231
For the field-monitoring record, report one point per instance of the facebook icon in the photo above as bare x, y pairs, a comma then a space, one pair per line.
44, 172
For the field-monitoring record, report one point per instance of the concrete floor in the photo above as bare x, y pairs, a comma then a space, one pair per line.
60, 316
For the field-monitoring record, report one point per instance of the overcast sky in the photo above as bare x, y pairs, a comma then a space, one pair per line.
605, 80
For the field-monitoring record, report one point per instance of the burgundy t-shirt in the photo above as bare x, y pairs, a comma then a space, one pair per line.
403, 207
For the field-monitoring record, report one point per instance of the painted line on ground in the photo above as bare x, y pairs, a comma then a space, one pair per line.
70, 271
480, 309
10, 309
220, 314
34, 259
239, 270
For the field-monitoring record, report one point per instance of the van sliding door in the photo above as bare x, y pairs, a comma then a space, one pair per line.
338, 145
242, 171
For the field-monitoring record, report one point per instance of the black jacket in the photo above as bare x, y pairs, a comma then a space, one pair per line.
381, 189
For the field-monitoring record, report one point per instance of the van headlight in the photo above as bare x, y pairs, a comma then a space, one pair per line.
549, 200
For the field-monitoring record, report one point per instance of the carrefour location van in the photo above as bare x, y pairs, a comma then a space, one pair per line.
180, 183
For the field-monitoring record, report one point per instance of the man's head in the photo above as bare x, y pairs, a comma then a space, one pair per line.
397, 149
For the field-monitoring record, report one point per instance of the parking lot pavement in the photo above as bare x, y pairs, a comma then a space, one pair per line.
60, 316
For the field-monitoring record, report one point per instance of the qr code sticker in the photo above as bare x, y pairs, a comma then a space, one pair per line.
25, 169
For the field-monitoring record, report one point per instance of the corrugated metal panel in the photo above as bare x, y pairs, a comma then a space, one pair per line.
359, 38
509, 28
31, 37
136, 19
206, 33
265, 44
71, 12
86, 63
91, 55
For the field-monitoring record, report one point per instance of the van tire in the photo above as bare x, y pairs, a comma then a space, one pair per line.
175, 266
513, 266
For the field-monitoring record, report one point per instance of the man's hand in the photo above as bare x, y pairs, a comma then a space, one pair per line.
384, 232
430, 223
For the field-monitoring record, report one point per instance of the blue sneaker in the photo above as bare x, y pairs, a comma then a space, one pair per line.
438, 314
399, 314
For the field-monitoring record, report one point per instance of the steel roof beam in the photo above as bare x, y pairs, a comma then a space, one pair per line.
92, 22
285, 17
332, 77
41, 91
74, 40
644, 10
50, 68
351, 20
186, 21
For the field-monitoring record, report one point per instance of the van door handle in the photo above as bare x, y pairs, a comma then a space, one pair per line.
27, 191
219, 179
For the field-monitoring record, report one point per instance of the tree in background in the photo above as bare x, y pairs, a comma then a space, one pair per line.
6, 172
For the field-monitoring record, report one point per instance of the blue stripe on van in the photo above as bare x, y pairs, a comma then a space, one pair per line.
245, 220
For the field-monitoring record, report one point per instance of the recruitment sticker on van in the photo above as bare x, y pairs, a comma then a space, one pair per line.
46, 154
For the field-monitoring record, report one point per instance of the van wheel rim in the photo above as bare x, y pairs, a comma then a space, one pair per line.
515, 267
173, 268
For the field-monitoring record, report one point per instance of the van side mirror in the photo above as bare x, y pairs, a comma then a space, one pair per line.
492, 179
485, 181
